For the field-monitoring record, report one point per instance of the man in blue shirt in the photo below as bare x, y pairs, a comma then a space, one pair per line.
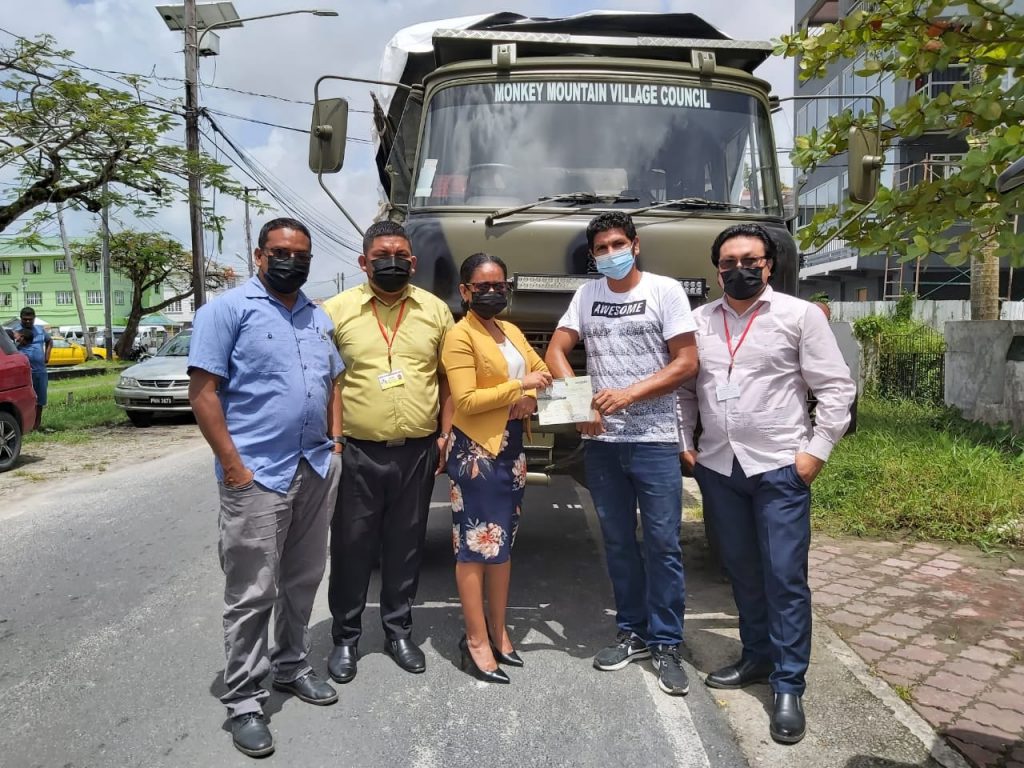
35, 343
263, 366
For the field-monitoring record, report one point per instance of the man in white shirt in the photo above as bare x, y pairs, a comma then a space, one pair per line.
760, 351
638, 334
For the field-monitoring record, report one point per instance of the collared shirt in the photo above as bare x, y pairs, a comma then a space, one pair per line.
788, 348
371, 412
277, 368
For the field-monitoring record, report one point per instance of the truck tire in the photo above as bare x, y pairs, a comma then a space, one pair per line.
10, 440
141, 418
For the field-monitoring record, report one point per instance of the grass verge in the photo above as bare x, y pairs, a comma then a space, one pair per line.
92, 405
922, 471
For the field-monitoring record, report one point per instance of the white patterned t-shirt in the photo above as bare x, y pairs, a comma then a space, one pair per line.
626, 337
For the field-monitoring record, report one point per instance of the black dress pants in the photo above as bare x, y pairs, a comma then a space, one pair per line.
382, 510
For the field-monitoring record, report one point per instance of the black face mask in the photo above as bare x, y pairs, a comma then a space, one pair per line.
742, 283
286, 276
391, 274
487, 305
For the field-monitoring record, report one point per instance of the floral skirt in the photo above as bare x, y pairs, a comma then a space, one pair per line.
487, 495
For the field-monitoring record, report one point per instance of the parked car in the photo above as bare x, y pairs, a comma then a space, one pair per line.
156, 385
65, 352
17, 401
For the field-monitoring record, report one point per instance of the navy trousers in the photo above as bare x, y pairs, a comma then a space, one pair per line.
762, 525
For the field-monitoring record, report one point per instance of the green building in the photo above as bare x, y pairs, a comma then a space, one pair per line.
39, 278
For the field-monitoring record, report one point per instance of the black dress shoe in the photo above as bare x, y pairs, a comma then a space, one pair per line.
788, 724
740, 675
251, 736
309, 688
341, 664
407, 655
468, 663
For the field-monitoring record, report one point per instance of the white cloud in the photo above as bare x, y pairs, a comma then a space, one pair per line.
284, 56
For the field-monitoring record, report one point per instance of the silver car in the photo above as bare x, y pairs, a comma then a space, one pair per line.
156, 385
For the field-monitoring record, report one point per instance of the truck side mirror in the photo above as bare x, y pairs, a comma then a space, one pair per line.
327, 135
1012, 177
865, 165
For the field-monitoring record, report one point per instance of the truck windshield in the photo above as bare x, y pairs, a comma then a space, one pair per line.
511, 143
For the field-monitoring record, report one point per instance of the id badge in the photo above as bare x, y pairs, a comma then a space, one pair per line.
727, 391
391, 380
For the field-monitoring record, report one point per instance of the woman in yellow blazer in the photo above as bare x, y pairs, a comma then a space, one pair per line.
494, 374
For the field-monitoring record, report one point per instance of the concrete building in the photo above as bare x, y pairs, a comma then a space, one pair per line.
840, 271
39, 278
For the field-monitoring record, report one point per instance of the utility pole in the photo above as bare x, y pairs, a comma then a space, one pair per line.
108, 330
195, 192
339, 282
73, 274
248, 228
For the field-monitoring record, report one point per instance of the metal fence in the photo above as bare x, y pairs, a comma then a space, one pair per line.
910, 366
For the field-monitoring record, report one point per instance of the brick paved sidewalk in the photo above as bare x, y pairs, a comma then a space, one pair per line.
943, 625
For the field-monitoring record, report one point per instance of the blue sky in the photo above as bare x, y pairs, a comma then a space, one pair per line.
283, 57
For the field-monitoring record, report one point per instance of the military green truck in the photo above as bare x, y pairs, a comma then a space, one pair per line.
507, 134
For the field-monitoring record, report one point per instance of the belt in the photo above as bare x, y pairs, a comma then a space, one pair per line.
397, 442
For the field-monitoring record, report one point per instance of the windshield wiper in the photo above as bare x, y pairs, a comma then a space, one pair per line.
580, 198
694, 202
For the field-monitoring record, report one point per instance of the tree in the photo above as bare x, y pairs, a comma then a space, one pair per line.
64, 136
149, 260
908, 38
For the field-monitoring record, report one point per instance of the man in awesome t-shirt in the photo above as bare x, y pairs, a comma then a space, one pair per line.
639, 338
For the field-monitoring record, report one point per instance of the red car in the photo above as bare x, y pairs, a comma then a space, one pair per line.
17, 401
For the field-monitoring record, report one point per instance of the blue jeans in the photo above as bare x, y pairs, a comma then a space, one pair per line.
647, 579
762, 524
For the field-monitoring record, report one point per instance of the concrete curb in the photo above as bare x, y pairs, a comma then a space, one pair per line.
904, 713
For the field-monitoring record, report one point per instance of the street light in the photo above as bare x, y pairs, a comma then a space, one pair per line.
212, 16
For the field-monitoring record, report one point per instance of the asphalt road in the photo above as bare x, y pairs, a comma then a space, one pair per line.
110, 647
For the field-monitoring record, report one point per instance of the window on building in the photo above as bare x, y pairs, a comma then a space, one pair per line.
862, 294
5, 267
119, 298
60, 265
174, 307
943, 165
92, 266
94, 297
33, 298
191, 305
33, 266
5, 300
941, 80
64, 298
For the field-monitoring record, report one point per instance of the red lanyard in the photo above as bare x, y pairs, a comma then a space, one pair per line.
384, 332
743, 336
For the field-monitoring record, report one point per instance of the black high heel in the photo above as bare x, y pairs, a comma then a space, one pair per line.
493, 676
508, 659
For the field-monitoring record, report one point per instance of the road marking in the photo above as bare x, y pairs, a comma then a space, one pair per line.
678, 725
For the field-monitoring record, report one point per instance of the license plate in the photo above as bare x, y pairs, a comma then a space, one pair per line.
161, 401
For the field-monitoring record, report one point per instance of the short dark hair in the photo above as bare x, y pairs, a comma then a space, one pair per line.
283, 223
744, 230
386, 228
27, 311
473, 263
610, 220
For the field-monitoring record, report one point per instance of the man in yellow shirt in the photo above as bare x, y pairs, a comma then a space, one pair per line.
396, 414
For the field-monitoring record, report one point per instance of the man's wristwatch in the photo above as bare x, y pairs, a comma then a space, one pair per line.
339, 440
443, 435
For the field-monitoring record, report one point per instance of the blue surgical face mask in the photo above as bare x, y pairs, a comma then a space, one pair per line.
616, 265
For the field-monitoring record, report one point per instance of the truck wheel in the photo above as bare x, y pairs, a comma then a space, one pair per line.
10, 440
141, 418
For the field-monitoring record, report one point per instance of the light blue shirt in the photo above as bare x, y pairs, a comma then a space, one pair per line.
36, 351
277, 367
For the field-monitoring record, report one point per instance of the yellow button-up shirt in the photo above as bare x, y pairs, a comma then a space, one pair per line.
371, 412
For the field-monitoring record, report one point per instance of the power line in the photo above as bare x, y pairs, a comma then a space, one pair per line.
221, 113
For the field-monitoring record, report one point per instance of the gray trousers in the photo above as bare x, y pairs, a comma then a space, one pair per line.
273, 550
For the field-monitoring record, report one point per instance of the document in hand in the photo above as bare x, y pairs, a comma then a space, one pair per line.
566, 401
